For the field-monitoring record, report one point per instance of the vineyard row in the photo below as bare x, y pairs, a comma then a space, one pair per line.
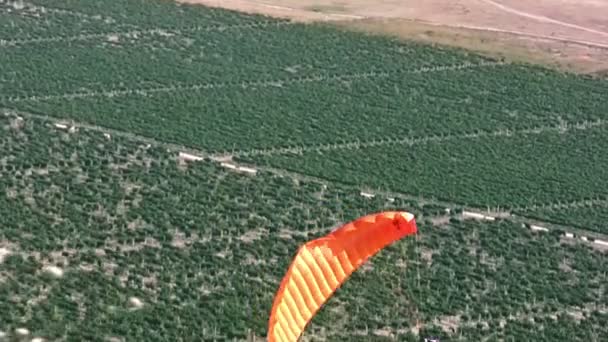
249, 83
409, 141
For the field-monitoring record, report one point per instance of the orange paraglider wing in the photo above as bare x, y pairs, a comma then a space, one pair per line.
321, 266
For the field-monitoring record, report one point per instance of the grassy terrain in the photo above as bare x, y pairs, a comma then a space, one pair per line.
204, 249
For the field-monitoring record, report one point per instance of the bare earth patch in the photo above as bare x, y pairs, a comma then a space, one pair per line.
569, 34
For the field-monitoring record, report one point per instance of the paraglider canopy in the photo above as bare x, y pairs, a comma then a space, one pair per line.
322, 265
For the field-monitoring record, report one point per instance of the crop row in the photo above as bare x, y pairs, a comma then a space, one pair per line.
506, 171
306, 112
592, 217
296, 84
204, 250
139, 58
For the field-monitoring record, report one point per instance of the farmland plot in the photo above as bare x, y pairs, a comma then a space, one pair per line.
207, 83
121, 219
303, 111
106, 237
263, 50
509, 169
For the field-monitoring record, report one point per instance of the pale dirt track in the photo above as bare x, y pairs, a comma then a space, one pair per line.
571, 34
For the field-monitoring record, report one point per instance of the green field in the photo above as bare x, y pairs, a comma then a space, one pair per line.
522, 168
204, 250
323, 114
208, 87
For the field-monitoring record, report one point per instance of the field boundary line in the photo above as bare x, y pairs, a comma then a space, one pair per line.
160, 31
58, 121
200, 154
468, 213
598, 202
568, 231
410, 141
249, 83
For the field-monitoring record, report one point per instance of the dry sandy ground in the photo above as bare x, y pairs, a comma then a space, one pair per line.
571, 34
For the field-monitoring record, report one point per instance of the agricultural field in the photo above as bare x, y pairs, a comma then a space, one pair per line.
505, 168
208, 84
202, 249
106, 233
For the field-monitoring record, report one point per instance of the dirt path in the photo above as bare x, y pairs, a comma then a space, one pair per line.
570, 34
543, 18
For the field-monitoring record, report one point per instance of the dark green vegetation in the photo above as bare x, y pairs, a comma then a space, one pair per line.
204, 250
522, 169
591, 216
65, 18
222, 81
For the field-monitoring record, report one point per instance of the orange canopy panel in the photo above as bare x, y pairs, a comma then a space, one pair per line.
322, 265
